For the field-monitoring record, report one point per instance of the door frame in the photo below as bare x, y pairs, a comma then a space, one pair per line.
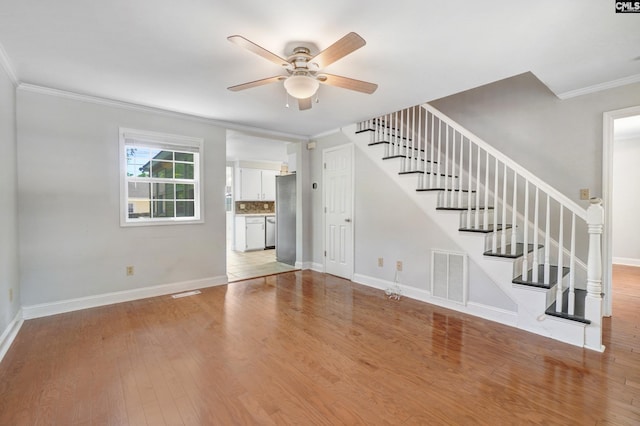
350, 146
607, 196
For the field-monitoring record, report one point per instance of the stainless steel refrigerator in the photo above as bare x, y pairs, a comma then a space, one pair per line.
286, 219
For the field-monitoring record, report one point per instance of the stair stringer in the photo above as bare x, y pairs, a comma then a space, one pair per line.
531, 302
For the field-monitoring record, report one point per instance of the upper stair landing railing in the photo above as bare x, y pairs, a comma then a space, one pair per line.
521, 213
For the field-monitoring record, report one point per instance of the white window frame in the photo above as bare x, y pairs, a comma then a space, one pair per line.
156, 140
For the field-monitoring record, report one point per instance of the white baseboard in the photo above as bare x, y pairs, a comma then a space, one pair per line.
315, 266
490, 313
10, 333
62, 306
625, 261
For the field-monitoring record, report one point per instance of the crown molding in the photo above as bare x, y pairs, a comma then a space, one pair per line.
598, 87
7, 66
34, 88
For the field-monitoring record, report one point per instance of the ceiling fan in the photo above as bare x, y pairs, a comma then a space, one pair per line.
304, 70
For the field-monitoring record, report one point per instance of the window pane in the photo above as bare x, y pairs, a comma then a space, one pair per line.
163, 209
184, 156
188, 171
162, 169
138, 161
138, 200
139, 190
179, 169
185, 209
163, 155
184, 191
163, 191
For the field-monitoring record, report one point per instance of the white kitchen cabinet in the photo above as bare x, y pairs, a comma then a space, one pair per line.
249, 233
269, 185
255, 184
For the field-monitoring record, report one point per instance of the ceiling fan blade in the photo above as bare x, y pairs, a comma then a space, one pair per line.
304, 104
348, 83
258, 50
256, 83
338, 50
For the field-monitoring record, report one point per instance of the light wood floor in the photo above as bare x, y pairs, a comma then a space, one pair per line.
307, 348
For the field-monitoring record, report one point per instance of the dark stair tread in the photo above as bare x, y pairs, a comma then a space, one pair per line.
507, 254
553, 277
578, 314
442, 189
481, 229
462, 209
411, 172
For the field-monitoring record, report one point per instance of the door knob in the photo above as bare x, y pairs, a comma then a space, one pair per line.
347, 220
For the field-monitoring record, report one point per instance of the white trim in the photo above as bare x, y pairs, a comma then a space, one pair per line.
9, 334
70, 305
157, 110
608, 119
625, 261
487, 312
8, 68
324, 134
598, 87
315, 266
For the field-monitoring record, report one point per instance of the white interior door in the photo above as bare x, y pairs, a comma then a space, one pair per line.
338, 201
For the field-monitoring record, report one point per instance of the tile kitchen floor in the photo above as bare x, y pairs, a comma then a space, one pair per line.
251, 264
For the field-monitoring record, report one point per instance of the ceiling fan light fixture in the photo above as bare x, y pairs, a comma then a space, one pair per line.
301, 86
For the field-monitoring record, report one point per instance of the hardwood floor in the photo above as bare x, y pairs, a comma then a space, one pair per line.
307, 348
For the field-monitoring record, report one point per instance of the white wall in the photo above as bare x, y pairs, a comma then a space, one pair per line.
558, 140
71, 244
390, 225
9, 277
626, 201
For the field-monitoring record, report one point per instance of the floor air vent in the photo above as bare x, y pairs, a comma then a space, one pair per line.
449, 276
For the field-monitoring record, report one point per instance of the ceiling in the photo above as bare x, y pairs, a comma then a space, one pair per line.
175, 55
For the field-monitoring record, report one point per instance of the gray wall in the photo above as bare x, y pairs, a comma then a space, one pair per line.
71, 244
390, 225
558, 140
9, 276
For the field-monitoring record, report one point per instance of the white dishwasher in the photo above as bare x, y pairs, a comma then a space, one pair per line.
255, 233
270, 234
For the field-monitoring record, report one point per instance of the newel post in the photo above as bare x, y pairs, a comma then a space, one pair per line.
593, 302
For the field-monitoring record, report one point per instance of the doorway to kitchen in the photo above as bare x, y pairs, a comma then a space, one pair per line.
252, 166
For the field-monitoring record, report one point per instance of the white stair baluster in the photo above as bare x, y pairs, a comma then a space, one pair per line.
559, 289
476, 216
572, 267
514, 211
432, 159
469, 184
547, 241
503, 232
420, 160
494, 242
460, 166
536, 227
452, 172
446, 167
485, 207
439, 152
525, 257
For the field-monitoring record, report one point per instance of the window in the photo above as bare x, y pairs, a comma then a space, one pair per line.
160, 178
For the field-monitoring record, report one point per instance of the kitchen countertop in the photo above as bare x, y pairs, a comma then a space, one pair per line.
255, 214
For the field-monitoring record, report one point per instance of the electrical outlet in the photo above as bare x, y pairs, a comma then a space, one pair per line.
266, 206
399, 265
242, 206
10, 295
380, 262
584, 194
129, 271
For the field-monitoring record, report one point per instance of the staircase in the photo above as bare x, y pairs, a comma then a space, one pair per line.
541, 248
